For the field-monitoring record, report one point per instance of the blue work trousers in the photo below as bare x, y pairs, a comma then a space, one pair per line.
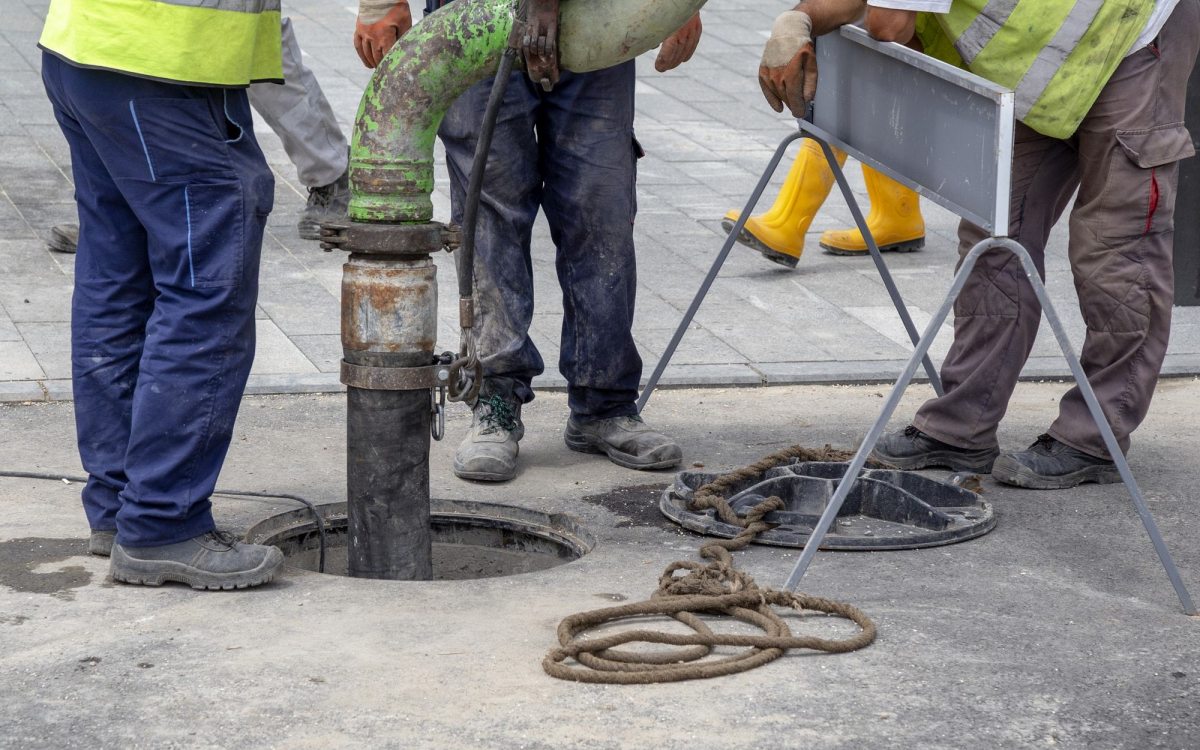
173, 194
571, 153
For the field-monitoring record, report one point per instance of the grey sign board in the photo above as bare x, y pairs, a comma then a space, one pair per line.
942, 131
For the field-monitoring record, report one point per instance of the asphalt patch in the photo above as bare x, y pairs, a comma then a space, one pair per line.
20, 557
638, 505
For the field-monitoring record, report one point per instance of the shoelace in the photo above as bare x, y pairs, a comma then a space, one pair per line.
223, 537
495, 413
321, 196
1044, 441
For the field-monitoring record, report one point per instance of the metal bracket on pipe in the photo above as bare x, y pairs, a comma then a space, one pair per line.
395, 378
389, 239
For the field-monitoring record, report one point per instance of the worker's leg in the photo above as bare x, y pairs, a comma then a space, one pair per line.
112, 301
589, 163
300, 115
201, 190
508, 205
1122, 231
503, 271
996, 316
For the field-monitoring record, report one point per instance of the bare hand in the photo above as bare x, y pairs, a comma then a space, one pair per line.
679, 47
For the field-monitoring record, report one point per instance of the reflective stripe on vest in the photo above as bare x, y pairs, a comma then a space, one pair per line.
1056, 55
203, 42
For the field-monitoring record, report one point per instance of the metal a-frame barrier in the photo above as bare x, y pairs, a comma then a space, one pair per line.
960, 158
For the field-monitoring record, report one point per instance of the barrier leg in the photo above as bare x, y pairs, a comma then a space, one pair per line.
901, 309
715, 269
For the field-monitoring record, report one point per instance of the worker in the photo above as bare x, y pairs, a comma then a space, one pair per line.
894, 218
173, 193
1099, 90
571, 153
300, 115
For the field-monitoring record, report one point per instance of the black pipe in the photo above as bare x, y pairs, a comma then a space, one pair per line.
387, 456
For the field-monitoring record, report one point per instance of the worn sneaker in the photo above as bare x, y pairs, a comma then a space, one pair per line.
1051, 465
910, 449
489, 451
212, 561
326, 203
100, 542
627, 441
64, 238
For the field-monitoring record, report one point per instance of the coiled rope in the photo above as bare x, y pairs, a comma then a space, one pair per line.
713, 588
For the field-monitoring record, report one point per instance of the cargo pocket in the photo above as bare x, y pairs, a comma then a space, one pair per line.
214, 234
181, 138
1139, 193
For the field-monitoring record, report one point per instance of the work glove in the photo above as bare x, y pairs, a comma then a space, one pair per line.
380, 23
678, 47
788, 72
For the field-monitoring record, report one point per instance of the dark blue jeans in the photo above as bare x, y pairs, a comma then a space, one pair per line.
571, 153
173, 194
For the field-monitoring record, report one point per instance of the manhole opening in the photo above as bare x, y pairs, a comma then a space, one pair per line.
470, 539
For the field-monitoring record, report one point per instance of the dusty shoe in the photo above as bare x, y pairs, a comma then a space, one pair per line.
216, 560
100, 542
1051, 465
489, 451
911, 449
64, 238
627, 441
326, 203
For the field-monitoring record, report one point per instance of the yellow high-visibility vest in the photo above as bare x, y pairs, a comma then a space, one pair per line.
203, 42
1056, 55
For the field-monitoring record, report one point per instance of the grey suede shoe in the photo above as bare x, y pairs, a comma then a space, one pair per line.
1051, 465
627, 441
489, 451
212, 561
326, 203
100, 542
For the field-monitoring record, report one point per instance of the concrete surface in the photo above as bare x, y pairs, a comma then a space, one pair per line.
708, 135
1058, 629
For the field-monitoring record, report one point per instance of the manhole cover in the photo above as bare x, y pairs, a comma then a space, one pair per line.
470, 539
885, 509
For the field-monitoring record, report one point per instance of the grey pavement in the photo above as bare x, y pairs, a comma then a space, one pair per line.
1057, 629
708, 135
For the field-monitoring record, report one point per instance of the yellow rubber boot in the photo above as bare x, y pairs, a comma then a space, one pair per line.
894, 220
779, 233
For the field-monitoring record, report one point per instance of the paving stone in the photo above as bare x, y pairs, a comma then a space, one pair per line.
18, 363
275, 354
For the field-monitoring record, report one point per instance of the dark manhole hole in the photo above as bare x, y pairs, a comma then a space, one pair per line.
470, 539
886, 509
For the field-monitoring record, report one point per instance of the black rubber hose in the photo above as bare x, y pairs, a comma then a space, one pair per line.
483, 146
317, 519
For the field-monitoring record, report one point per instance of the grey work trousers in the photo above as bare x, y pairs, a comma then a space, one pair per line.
1124, 162
300, 115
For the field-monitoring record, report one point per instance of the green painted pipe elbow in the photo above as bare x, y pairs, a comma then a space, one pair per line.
391, 156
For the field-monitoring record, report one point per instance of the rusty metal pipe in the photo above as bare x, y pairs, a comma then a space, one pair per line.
389, 288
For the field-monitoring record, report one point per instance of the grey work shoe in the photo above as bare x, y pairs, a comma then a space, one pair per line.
1051, 465
911, 449
100, 542
627, 441
212, 561
64, 238
326, 203
489, 451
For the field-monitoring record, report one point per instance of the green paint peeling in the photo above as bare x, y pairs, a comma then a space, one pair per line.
391, 153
